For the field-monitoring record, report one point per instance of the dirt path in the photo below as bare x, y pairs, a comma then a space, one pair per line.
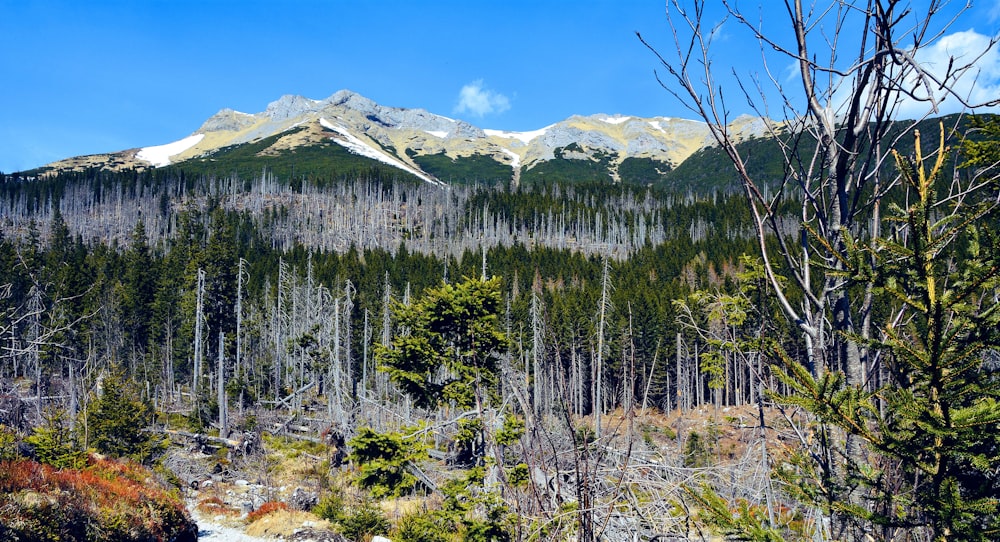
211, 531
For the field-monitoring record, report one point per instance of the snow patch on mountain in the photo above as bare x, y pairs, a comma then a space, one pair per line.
437, 133
523, 137
515, 159
352, 143
159, 155
615, 119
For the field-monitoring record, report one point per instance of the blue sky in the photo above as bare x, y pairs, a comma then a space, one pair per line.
100, 76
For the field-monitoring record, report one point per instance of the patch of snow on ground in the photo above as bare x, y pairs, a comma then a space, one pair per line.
515, 159
159, 155
617, 119
437, 133
357, 146
656, 124
524, 137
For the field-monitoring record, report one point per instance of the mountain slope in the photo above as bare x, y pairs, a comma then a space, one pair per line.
427, 146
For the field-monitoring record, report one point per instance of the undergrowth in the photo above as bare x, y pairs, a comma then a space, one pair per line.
104, 501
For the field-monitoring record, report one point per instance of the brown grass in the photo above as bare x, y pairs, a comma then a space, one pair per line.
282, 523
265, 509
214, 506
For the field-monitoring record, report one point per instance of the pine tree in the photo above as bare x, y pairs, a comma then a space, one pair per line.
453, 344
117, 419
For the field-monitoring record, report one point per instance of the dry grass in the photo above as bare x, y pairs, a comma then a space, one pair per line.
408, 506
269, 507
283, 523
216, 508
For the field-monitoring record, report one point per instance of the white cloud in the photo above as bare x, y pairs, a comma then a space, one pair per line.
476, 99
963, 61
978, 83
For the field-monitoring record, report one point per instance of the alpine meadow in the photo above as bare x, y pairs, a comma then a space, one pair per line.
342, 320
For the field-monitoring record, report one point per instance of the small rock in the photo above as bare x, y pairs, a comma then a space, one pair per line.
316, 535
241, 483
303, 500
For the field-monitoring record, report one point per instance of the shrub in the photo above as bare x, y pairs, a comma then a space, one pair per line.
117, 419
423, 527
103, 502
696, 451
8, 443
330, 508
382, 460
366, 520
54, 443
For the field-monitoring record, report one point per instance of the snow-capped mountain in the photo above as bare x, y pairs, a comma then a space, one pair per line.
407, 138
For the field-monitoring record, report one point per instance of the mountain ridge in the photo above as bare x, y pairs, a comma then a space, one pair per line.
404, 138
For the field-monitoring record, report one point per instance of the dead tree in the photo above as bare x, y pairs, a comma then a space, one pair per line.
858, 73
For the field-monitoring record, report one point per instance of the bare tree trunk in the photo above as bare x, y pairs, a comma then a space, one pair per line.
598, 371
536, 355
221, 381
198, 324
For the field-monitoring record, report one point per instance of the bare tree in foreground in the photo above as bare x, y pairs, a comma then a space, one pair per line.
858, 69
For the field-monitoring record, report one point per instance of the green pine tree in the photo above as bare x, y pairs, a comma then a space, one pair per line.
117, 419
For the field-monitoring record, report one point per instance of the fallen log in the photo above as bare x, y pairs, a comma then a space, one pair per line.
201, 438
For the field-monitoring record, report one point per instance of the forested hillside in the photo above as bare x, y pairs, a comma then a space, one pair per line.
577, 351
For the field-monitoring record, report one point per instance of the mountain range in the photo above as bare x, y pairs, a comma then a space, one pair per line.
348, 131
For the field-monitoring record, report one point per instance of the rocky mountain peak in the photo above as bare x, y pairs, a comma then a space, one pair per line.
227, 120
289, 106
351, 100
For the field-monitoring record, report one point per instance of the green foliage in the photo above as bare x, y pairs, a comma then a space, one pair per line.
55, 444
8, 443
569, 166
330, 507
585, 436
423, 527
116, 421
321, 163
513, 428
697, 452
456, 327
643, 171
464, 169
981, 144
935, 420
357, 521
496, 525
481, 513
746, 521
364, 521
518, 475
382, 459
468, 441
